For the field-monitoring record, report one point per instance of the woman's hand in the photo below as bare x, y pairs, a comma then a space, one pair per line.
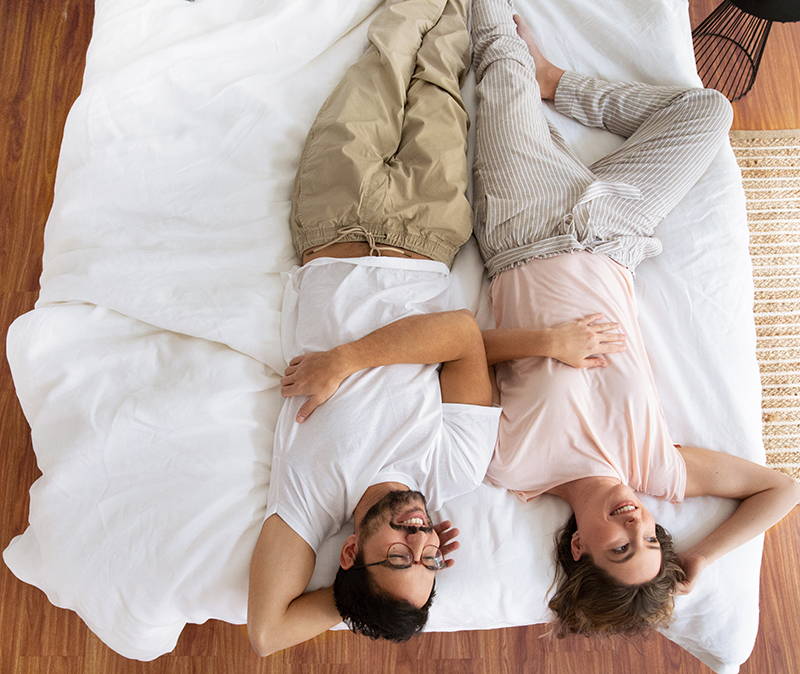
583, 342
447, 542
316, 375
693, 564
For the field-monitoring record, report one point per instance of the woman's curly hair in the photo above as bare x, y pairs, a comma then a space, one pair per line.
590, 601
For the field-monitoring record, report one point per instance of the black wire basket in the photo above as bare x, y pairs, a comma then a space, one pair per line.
729, 43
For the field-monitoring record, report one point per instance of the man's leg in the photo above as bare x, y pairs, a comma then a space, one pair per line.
426, 205
343, 174
526, 179
672, 133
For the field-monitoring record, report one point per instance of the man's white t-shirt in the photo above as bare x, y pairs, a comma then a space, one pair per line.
384, 424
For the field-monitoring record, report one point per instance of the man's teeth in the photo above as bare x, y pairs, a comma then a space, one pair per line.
623, 509
414, 522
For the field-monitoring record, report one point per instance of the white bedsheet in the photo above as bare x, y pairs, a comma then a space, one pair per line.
147, 368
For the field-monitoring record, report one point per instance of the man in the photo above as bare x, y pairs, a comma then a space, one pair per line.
379, 212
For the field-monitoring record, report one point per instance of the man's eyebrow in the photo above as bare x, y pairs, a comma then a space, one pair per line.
627, 557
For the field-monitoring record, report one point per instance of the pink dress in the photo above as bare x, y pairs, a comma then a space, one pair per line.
561, 423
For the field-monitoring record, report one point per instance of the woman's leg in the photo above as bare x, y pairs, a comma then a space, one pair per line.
385, 160
526, 179
672, 133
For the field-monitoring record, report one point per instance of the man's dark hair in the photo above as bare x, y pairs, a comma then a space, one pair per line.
369, 611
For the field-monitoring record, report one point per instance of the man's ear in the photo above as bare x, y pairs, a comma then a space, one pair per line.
576, 547
347, 557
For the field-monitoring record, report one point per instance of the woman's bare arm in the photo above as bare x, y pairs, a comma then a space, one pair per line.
579, 343
766, 496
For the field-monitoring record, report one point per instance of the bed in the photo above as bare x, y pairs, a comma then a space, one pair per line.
147, 370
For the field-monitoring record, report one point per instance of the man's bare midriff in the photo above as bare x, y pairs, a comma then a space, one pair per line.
357, 249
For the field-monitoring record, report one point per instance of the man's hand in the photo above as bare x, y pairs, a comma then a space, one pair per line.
316, 375
448, 337
693, 565
447, 542
582, 343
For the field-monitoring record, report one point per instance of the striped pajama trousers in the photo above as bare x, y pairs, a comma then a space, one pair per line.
534, 198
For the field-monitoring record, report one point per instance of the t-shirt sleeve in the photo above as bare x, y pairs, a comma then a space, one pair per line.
666, 474
462, 451
293, 496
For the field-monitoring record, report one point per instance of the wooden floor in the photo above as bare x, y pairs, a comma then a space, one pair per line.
43, 46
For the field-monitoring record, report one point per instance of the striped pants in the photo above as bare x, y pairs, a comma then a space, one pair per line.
534, 198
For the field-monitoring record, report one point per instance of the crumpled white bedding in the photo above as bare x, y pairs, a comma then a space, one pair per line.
147, 370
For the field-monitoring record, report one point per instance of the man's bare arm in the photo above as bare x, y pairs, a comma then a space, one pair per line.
465, 377
449, 337
280, 613
766, 496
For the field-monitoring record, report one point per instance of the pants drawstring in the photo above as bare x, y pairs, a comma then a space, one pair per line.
598, 188
374, 248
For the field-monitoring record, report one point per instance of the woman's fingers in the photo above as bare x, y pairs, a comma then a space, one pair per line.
594, 361
604, 327
606, 338
590, 318
611, 347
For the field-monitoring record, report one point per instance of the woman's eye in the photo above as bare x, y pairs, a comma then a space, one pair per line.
621, 548
652, 539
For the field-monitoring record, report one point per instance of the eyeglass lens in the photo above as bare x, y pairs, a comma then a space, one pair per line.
400, 556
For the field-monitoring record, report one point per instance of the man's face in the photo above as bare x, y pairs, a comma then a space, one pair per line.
620, 535
399, 517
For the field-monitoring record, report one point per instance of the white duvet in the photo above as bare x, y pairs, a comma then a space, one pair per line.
147, 370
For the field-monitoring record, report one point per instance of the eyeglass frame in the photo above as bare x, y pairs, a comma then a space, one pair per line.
389, 565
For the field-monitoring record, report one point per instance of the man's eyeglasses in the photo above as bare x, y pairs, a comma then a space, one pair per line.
400, 556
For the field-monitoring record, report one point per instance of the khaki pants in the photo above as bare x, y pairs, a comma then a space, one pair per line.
385, 161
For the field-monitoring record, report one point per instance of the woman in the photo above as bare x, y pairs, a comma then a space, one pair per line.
559, 240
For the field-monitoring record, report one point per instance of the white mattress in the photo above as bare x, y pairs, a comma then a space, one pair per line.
147, 369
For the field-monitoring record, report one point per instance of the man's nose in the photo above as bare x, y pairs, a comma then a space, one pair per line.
416, 541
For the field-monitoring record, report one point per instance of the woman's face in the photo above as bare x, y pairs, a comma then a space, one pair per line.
619, 534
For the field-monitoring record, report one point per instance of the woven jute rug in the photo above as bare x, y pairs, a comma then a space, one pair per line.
770, 163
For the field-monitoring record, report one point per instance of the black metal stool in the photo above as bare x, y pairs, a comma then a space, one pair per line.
728, 44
